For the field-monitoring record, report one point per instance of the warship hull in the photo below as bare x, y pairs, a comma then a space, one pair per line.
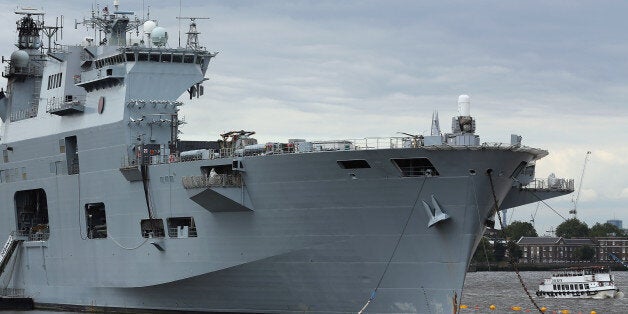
320, 239
103, 206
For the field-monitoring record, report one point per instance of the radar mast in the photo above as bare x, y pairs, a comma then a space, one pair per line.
192, 41
114, 25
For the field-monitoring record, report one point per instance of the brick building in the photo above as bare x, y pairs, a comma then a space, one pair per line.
552, 249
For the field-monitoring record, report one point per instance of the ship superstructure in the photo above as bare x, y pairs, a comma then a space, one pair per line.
105, 206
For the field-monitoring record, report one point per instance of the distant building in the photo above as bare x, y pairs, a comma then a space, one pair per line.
615, 222
551, 249
540, 249
557, 249
617, 246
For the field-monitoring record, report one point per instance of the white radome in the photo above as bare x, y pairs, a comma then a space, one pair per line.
149, 26
464, 105
159, 36
19, 58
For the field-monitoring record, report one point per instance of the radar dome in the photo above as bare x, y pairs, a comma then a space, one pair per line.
149, 26
19, 58
159, 36
464, 105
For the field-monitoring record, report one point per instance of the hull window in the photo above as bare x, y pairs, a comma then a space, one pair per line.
415, 167
152, 228
31, 209
353, 164
181, 227
96, 220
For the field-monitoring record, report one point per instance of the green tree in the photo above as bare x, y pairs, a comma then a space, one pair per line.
518, 229
499, 251
584, 253
572, 228
483, 252
605, 230
514, 251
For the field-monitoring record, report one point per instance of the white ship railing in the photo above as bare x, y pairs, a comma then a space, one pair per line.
174, 232
553, 185
42, 234
367, 143
55, 104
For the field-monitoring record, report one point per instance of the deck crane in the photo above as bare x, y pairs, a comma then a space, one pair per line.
574, 211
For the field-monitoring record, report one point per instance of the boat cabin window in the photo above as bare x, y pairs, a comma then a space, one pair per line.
152, 228
415, 167
96, 220
31, 208
181, 227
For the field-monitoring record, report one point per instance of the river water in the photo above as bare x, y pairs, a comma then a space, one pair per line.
503, 290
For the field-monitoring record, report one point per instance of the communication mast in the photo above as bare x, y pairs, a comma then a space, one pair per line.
192, 41
574, 211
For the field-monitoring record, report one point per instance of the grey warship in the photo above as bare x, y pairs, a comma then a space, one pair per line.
105, 207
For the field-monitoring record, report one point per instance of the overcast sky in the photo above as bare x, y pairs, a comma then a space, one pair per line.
554, 72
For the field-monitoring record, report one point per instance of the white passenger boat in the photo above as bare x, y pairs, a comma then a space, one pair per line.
585, 282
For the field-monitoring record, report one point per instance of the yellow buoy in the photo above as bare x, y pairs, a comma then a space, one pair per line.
492, 307
593, 312
515, 308
564, 312
543, 309
463, 306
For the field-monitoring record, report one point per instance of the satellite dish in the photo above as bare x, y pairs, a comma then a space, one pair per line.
159, 36
149, 26
19, 59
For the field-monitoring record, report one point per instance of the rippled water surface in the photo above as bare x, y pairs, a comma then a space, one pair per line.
503, 289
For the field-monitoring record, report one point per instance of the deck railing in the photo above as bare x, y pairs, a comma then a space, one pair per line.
174, 232
11, 292
552, 185
220, 180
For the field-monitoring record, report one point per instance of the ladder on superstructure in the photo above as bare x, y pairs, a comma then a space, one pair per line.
8, 250
36, 96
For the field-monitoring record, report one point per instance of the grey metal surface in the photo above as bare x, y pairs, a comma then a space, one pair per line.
296, 233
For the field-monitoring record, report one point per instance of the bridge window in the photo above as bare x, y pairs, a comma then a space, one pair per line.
96, 220
415, 167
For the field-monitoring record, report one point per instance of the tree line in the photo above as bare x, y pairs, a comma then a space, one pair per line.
570, 228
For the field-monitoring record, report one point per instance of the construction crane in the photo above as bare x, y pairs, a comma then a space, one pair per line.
574, 211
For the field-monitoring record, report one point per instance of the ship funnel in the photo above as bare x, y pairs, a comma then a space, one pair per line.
464, 106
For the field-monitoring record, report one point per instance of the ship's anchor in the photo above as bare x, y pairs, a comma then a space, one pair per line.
436, 215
